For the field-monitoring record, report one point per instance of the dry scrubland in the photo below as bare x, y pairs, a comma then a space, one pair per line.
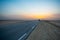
14, 21
56, 23
46, 30
10, 21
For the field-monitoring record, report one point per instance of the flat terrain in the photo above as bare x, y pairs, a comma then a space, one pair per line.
16, 30
30, 30
54, 22
9, 21
46, 31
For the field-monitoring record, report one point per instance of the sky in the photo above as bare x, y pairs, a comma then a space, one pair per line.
29, 9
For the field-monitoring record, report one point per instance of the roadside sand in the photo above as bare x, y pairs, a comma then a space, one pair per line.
8, 22
45, 31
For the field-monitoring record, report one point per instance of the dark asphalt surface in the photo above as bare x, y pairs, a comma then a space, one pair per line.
16, 31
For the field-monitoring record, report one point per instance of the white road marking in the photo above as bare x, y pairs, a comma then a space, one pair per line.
25, 33
34, 26
22, 36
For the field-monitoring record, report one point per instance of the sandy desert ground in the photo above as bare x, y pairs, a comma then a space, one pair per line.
10, 21
46, 31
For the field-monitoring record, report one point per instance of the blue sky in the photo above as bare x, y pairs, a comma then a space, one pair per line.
26, 9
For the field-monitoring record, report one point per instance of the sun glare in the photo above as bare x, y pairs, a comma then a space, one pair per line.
42, 16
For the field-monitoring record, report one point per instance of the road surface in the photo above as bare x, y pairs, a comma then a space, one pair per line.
17, 31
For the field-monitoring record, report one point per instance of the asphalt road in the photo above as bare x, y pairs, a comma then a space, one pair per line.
16, 31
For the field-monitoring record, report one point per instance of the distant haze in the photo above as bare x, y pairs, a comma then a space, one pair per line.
30, 9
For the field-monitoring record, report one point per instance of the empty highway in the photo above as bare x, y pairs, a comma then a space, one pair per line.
17, 31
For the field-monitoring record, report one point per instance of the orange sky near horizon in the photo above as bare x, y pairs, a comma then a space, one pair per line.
30, 10
38, 16
42, 16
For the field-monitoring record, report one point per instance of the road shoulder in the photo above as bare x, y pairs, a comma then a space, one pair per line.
44, 31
